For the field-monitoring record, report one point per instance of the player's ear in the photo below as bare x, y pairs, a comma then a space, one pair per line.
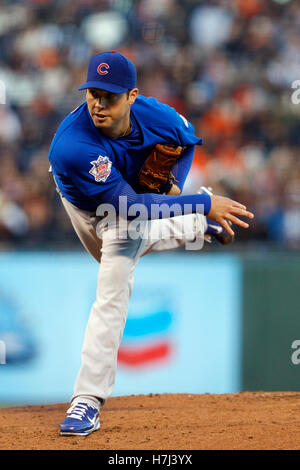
132, 95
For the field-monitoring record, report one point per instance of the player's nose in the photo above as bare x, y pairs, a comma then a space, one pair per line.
100, 103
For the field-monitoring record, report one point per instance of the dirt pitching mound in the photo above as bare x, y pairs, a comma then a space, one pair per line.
260, 420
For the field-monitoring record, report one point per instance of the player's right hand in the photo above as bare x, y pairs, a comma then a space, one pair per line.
224, 209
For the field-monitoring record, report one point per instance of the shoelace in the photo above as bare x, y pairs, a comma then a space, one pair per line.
77, 411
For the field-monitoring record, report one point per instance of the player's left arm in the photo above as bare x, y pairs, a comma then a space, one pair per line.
181, 169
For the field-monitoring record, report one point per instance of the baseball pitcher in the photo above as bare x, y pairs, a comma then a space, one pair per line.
117, 158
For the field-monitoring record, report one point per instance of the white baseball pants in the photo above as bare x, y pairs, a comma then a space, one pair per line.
118, 255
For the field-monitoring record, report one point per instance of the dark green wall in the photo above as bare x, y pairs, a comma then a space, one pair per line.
271, 321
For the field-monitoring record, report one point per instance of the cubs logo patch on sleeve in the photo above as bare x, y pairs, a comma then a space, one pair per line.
101, 168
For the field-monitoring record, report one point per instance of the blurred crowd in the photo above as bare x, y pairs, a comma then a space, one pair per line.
230, 66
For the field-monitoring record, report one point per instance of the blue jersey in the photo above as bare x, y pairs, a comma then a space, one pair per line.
90, 168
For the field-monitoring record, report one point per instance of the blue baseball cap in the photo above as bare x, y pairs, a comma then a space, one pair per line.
110, 71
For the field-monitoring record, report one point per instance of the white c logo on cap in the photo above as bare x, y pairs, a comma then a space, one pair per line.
101, 67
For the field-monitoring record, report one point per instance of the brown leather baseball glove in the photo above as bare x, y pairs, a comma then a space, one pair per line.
155, 176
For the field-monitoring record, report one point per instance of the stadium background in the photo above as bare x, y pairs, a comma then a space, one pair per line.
219, 321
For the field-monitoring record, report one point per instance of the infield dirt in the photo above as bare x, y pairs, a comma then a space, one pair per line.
247, 420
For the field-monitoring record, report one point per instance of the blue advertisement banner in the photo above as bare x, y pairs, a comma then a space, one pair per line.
182, 334
183, 331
